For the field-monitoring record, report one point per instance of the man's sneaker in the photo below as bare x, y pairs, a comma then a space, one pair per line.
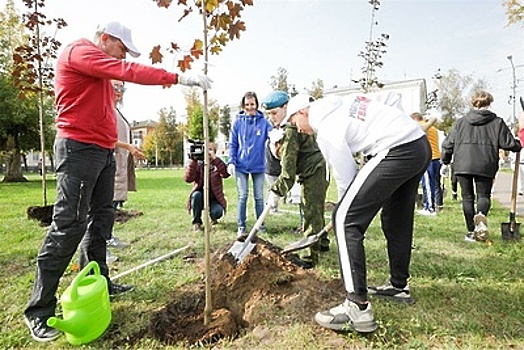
387, 291
470, 237
481, 227
197, 228
348, 316
454, 196
119, 289
116, 243
110, 258
40, 331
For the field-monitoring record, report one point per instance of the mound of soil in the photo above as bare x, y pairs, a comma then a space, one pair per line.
266, 286
44, 214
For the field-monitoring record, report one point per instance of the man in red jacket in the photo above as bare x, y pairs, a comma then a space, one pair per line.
217, 201
85, 163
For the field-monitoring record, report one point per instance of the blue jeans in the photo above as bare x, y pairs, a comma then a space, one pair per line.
83, 207
243, 192
197, 206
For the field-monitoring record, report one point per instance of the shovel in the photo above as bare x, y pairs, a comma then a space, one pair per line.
307, 241
240, 250
510, 230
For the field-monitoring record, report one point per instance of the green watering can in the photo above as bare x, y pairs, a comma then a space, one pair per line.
85, 306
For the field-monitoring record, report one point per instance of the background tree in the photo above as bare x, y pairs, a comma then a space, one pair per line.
149, 148
195, 115
317, 89
20, 117
278, 82
225, 121
514, 11
454, 92
169, 139
372, 54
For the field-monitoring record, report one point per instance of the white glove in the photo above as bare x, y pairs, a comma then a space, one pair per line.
444, 170
196, 80
275, 135
273, 199
231, 169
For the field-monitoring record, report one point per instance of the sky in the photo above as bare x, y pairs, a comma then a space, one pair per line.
313, 39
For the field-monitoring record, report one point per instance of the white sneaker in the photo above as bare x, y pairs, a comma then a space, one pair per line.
470, 237
426, 212
481, 227
348, 316
110, 258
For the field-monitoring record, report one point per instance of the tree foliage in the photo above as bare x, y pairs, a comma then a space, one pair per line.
169, 139
20, 100
224, 21
454, 94
514, 11
372, 54
279, 82
195, 115
225, 121
317, 89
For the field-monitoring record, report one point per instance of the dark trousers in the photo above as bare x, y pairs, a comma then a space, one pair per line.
85, 184
389, 181
483, 186
197, 205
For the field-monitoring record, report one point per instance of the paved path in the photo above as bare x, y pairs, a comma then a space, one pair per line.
503, 192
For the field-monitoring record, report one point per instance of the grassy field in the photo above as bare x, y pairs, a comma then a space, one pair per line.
468, 295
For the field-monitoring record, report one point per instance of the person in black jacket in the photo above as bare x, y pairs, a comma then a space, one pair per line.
474, 143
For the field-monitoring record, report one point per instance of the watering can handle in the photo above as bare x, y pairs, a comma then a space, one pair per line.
92, 265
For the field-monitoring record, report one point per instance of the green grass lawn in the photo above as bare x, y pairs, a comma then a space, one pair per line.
468, 295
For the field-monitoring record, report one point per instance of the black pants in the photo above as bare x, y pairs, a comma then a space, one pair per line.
85, 185
483, 186
389, 181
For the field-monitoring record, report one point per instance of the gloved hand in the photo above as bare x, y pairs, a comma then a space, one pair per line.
231, 169
195, 80
275, 136
273, 199
444, 170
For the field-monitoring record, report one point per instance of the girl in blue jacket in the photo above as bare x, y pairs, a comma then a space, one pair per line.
247, 155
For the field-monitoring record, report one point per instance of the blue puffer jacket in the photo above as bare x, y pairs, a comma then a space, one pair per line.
247, 143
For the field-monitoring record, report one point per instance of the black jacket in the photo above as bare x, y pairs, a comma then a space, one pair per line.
474, 143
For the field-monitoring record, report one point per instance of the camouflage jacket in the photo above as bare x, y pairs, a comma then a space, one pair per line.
300, 156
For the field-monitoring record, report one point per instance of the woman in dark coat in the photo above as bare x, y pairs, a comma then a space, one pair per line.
474, 143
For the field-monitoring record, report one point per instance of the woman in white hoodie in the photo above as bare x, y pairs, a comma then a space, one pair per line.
397, 153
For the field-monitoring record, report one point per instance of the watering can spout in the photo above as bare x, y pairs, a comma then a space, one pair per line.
66, 326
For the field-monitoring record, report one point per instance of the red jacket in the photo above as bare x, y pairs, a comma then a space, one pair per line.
84, 95
195, 174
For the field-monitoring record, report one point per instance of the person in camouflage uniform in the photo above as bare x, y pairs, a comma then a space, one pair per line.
300, 156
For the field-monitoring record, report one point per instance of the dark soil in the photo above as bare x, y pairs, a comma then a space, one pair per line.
44, 214
266, 286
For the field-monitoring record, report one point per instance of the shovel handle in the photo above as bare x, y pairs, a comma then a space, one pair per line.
513, 208
259, 222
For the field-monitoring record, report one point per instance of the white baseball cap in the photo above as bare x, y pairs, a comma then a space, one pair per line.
297, 103
120, 31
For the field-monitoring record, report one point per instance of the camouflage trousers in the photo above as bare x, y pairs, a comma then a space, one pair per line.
313, 200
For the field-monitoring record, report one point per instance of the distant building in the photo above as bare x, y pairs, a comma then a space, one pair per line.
139, 131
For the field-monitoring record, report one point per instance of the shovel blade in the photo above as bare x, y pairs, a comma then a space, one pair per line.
510, 231
302, 244
240, 250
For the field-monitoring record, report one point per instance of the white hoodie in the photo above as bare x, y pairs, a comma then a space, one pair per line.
345, 126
